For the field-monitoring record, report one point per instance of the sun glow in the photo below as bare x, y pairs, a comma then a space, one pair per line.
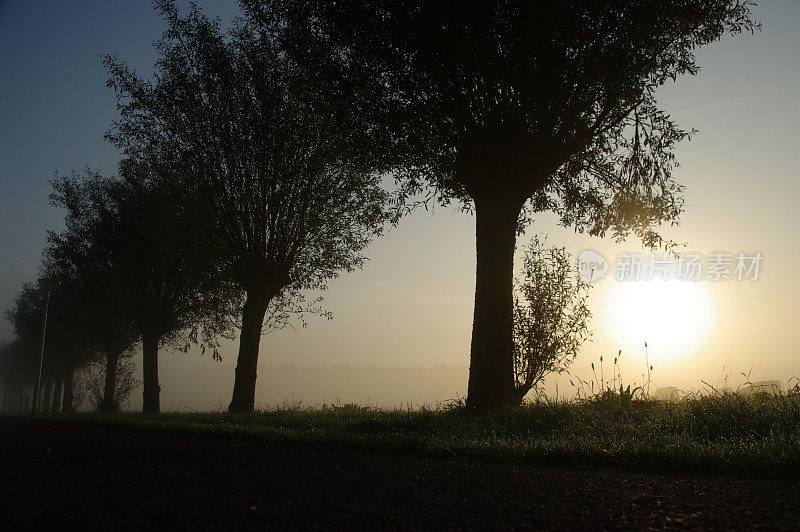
673, 317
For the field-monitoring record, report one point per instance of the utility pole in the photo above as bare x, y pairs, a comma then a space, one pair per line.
49, 287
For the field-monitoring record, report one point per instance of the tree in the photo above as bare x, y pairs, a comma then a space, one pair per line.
551, 318
169, 286
88, 279
514, 107
91, 384
67, 347
26, 316
256, 149
17, 371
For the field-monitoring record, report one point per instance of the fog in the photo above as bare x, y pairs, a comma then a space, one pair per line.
191, 386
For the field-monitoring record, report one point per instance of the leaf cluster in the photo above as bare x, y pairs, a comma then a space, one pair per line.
551, 104
551, 316
258, 152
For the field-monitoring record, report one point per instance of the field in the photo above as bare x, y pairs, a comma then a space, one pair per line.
720, 433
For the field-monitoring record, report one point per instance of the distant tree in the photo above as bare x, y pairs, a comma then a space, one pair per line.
91, 381
88, 279
17, 371
26, 316
551, 317
514, 107
171, 289
256, 149
67, 346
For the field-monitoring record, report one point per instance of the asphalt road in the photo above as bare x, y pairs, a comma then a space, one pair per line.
67, 476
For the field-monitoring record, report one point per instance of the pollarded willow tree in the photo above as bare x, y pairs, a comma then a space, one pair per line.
67, 348
17, 371
153, 267
516, 107
88, 279
263, 156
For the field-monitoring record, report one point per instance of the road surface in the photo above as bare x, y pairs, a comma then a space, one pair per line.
68, 476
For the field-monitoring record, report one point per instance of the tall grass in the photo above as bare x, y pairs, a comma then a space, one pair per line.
727, 432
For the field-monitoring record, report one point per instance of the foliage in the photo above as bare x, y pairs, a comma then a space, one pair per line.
730, 433
90, 384
17, 364
166, 283
550, 101
256, 149
604, 390
68, 341
512, 108
85, 273
550, 315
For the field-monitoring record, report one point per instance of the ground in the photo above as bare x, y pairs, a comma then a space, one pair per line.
70, 475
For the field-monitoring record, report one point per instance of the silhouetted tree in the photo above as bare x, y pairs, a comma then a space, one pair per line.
168, 284
551, 318
91, 380
26, 316
256, 146
88, 278
515, 107
67, 346
17, 371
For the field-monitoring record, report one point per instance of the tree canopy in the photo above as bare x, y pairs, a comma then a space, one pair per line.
170, 288
65, 347
87, 275
256, 149
513, 108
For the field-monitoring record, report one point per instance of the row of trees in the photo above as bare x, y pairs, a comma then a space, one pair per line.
233, 200
252, 161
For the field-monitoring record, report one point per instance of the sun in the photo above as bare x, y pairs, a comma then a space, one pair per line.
674, 317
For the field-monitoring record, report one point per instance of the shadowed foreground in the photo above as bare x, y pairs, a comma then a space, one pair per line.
73, 475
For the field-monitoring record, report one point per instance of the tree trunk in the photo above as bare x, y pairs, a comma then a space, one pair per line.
151, 389
491, 371
108, 403
244, 386
68, 391
48, 388
520, 392
57, 395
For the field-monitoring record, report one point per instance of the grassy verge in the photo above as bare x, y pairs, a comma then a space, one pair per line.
722, 433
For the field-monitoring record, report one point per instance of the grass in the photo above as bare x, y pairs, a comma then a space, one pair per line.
730, 432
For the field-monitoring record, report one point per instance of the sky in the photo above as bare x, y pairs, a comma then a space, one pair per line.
411, 305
